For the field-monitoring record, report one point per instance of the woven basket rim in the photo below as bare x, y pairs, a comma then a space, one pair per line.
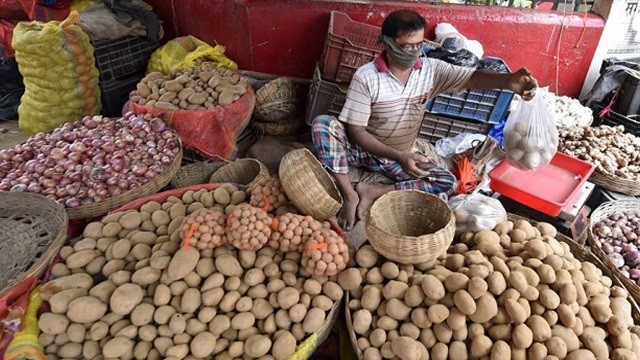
153, 186
615, 183
278, 128
393, 246
257, 168
187, 174
26, 206
301, 164
273, 85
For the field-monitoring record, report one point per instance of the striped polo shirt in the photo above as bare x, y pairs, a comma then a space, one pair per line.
391, 112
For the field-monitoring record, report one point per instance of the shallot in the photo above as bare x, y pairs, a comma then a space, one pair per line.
617, 236
91, 159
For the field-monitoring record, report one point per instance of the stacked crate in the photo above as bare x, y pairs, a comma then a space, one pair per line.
122, 63
351, 44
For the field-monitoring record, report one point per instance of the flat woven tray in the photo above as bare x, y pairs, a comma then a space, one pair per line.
33, 228
94, 210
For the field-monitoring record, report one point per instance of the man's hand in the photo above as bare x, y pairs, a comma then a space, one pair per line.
410, 161
522, 83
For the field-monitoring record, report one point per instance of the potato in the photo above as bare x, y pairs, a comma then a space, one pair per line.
496, 283
500, 351
438, 313
183, 262
406, 348
202, 345
464, 302
53, 324
228, 265
366, 256
70, 350
515, 311
362, 321
86, 309
74, 281
125, 298
146, 276
313, 320
481, 346
522, 336
117, 347
394, 289
486, 308
581, 354
257, 345
350, 279
456, 281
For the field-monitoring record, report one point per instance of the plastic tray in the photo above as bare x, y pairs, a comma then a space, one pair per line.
482, 105
548, 189
123, 58
325, 97
435, 127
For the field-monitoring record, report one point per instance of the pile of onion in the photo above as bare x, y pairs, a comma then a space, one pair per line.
619, 237
91, 159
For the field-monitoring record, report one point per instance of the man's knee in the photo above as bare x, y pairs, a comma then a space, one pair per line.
321, 122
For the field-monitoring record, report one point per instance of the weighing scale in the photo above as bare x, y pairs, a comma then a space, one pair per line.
556, 193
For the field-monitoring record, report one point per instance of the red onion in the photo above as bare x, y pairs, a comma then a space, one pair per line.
91, 159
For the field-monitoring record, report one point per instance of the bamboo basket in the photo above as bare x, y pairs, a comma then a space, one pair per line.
33, 228
94, 210
602, 212
308, 185
578, 252
614, 183
278, 128
276, 100
410, 226
196, 173
244, 171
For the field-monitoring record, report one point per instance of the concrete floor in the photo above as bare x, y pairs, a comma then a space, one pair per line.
10, 134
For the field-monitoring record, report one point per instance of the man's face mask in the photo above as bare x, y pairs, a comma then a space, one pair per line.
406, 55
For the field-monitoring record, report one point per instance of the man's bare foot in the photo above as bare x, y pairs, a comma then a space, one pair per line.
347, 215
368, 194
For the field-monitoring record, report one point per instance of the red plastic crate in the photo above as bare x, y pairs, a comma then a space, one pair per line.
349, 45
548, 189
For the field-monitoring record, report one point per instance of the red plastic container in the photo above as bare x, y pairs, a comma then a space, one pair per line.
548, 189
349, 45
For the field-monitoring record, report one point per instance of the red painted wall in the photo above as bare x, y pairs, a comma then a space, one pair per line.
286, 37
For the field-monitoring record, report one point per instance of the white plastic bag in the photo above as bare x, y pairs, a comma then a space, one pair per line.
476, 212
530, 136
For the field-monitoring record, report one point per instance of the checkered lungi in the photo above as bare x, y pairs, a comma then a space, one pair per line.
336, 154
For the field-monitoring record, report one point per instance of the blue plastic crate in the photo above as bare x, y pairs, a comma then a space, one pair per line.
490, 106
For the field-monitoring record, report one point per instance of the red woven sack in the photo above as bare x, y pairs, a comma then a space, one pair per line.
212, 133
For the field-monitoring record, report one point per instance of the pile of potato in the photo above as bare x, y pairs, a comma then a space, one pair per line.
512, 293
199, 88
610, 149
130, 289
